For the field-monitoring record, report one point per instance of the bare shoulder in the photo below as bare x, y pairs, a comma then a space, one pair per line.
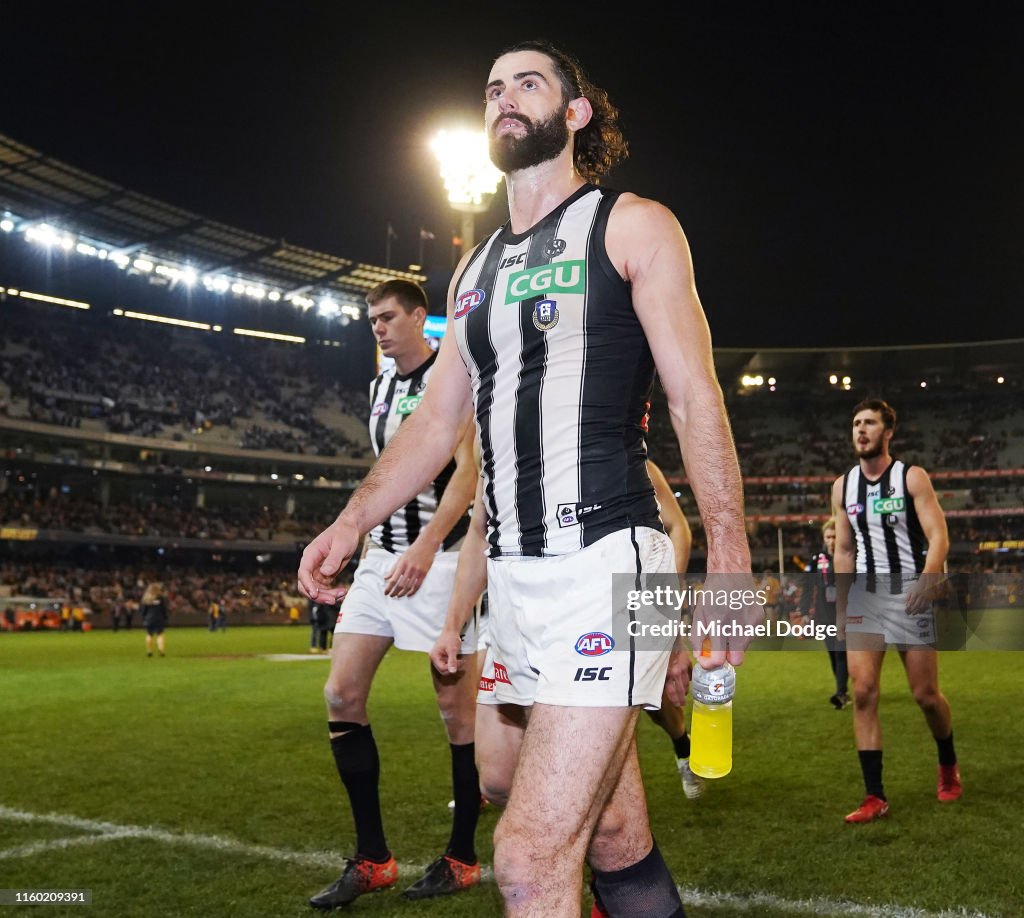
639, 230
641, 214
917, 480
456, 277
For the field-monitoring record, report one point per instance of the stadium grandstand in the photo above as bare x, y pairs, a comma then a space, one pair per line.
184, 400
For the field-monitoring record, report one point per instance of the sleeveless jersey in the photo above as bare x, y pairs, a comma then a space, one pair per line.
393, 398
561, 375
891, 545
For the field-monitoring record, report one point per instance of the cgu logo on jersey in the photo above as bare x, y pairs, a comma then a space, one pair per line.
379, 409
407, 404
466, 302
883, 505
594, 644
501, 674
560, 277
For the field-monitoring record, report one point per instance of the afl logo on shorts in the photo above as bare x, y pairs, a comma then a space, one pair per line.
594, 644
467, 302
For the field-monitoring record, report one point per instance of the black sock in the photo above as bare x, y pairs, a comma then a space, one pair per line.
642, 890
947, 754
871, 766
355, 754
466, 790
681, 744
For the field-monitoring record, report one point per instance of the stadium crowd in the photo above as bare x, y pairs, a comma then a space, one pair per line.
163, 384
245, 597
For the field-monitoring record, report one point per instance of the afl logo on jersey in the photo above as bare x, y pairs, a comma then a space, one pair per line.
594, 644
545, 315
854, 509
467, 302
379, 409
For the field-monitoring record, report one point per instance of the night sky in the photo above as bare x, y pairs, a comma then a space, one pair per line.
846, 173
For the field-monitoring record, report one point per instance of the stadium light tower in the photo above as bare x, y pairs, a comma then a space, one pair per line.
468, 174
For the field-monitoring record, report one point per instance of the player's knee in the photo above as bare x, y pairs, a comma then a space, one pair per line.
517, 864
495, 784
865, 695
927, 697
343, 700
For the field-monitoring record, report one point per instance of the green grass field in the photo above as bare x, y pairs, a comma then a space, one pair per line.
212, 775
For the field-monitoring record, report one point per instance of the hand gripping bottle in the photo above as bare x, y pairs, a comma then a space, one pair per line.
711, 724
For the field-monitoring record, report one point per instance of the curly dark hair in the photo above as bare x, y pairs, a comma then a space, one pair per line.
600, 145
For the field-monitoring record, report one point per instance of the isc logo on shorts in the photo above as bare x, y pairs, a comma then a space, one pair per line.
593, 674
594, 644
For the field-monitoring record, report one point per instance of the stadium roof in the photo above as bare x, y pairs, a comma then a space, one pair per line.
37, 189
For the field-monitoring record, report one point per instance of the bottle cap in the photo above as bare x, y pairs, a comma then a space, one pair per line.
713, 686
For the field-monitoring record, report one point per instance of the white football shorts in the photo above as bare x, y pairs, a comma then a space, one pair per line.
551, 626
413, 622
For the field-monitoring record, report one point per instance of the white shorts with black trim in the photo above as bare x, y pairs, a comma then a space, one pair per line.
413, 622
884, 613
551, 621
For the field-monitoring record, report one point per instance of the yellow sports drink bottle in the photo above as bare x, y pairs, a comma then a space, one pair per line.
711, 725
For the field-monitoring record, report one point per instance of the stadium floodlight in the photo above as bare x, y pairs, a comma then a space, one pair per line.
42, 233
1000, 379
771, 380
468, 174
273, 296
189, 276
143, 264
327, 307
7, 225
833, 379
847, 380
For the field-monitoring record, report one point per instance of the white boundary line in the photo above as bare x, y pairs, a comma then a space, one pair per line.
112, 831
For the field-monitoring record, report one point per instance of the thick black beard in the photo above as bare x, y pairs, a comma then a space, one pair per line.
544, 140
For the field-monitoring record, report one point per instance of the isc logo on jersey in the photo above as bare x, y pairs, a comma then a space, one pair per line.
407, 404
467, 302
883, 505
594, 644
546, 280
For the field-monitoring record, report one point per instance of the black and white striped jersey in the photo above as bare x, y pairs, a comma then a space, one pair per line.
561, 375
393, 398
891, 545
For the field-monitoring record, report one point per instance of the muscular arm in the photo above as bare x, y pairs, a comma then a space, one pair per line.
844, 559
412, 567
647, 246
933, 523
931, 517
672, 516
419, 450
470, 582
